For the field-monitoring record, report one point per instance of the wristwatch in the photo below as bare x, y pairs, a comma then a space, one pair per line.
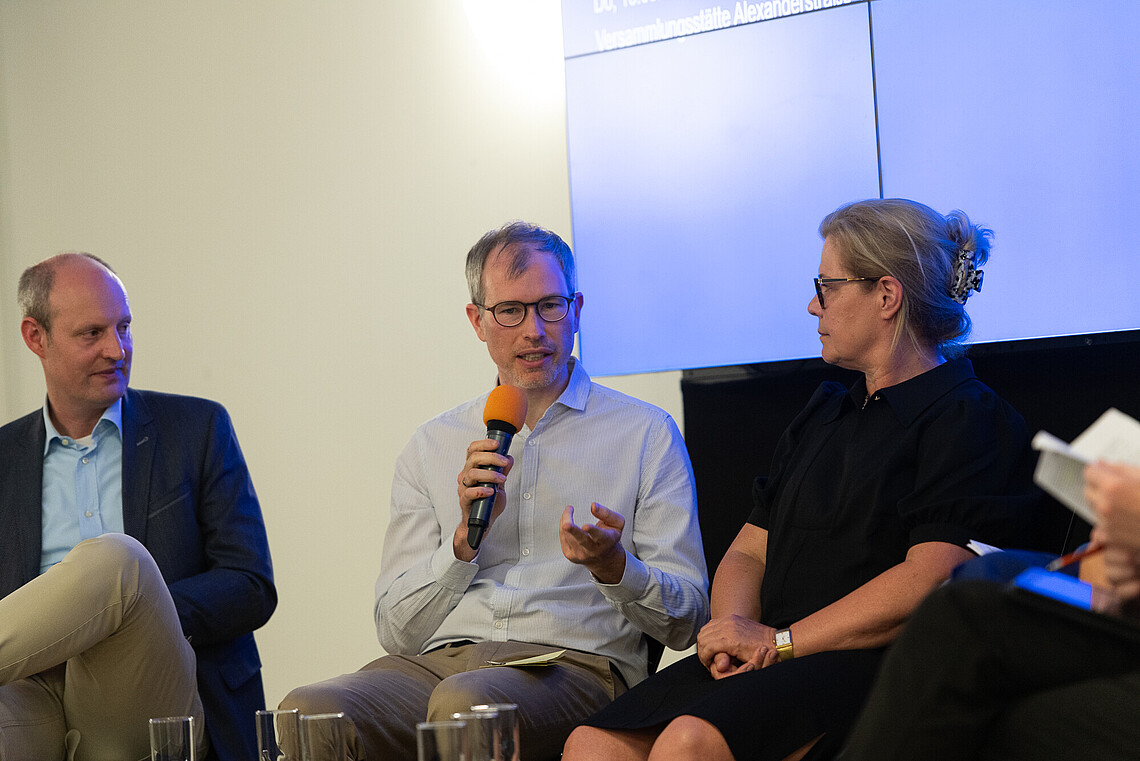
784, 644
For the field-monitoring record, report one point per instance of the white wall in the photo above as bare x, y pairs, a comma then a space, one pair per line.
287, 188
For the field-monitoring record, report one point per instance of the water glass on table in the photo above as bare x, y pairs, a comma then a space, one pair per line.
482, 734
507, 729
172, 739
442, 741
324, 737
278, 735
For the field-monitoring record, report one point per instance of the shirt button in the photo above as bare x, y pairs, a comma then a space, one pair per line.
65, 442
526, 495
526, 551
89, 513
85, 461
530, 442
498, 624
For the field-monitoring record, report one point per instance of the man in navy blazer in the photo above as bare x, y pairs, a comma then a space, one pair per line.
186, 496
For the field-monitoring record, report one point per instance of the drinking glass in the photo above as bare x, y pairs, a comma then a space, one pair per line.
172, 739
482, 733
278, 735
442, 741
323, 737
507, 729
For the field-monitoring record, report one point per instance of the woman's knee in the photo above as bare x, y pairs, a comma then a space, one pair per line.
593, 744
584, 743
688, 737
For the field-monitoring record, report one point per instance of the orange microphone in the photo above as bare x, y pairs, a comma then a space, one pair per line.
504, 414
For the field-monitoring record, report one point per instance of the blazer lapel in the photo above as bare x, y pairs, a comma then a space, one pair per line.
139, 439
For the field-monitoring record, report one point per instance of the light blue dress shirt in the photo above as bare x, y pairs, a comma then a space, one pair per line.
592, 445
82, 485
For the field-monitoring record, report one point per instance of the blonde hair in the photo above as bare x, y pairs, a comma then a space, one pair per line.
921, 249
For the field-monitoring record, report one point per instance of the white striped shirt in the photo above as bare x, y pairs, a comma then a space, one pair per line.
592, 445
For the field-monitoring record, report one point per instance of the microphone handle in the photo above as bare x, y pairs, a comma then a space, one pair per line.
480, 516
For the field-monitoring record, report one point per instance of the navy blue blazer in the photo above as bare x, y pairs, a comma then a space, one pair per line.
188, 497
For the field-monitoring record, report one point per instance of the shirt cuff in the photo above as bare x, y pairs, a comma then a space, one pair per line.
451, 572
634, 582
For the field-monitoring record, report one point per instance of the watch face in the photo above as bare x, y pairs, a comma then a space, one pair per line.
783, 638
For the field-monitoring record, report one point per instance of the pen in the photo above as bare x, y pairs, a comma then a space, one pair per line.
1073, 557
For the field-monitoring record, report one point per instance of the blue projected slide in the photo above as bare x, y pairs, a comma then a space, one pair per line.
1026, 117
700, 168
707, 140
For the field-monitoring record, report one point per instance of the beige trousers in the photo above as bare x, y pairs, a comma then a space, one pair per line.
89, 651
386, 698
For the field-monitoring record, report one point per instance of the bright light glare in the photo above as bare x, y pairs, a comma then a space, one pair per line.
523, 41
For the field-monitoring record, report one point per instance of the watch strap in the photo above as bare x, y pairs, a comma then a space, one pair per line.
784, 647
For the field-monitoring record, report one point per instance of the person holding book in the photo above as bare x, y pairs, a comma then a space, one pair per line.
873, 494
1030, 677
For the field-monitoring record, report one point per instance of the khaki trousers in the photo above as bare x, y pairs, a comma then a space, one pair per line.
386, 698
89, 651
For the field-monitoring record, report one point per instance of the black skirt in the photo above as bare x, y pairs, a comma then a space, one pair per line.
762, 715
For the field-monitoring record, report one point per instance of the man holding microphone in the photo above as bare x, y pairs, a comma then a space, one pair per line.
578, 591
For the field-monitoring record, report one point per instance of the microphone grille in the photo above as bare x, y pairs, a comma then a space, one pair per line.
506, 403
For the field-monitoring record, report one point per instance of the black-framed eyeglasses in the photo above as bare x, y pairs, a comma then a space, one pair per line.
822, 281
512, 313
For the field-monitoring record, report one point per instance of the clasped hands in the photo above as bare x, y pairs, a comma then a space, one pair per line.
735, 644
597, 546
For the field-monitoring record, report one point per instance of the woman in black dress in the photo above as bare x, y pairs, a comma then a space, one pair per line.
873, 495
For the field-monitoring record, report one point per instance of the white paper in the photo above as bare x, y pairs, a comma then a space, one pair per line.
535, 660
981, 548
1114, 437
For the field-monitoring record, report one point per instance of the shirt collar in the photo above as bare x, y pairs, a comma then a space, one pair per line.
911, 397
113, 415
577, 390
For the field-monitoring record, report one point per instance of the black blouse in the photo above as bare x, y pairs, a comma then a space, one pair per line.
937, 458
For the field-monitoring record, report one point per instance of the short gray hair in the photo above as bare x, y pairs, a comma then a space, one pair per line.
33, 293
518, 240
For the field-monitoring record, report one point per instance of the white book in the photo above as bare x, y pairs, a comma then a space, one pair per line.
1060, 468
981, 548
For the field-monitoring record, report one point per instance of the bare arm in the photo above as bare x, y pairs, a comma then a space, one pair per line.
871, 615
736, 586
735, 640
